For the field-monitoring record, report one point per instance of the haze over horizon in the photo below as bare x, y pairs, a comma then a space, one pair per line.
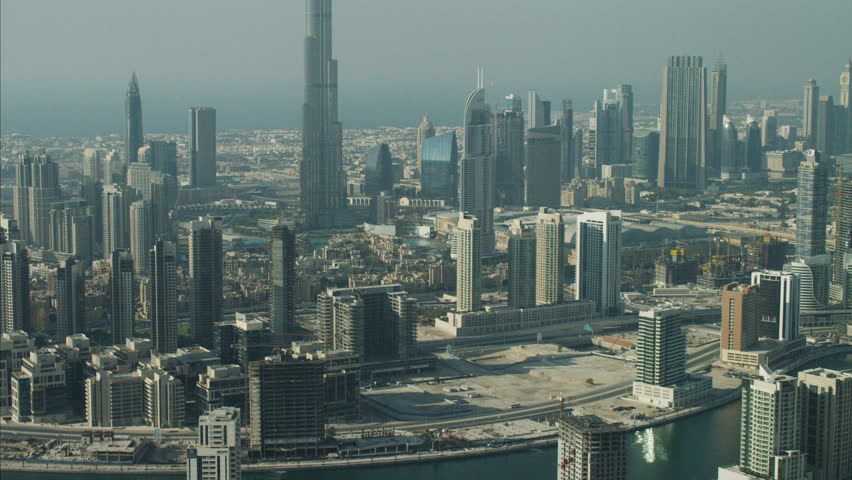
64, 66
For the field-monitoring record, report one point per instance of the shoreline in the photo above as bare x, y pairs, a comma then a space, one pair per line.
13, 465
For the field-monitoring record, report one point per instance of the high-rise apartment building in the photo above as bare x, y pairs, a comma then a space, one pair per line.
468, 264
660, 349
549, 257
141, 234
282, 300
811, 205
508, 139
36, 189
202, 147
598, 272
161, 155
165, 402
682, 122
116, 217
535, 111
162, 296
93, 163
122, 302
827, 410
323, 189
424, 131
70, 297
218, 451
842, 225
476, 172
375, 322
771, 429
522, 266
590, 448
72, 228
287, 407
769, 129
206, 271
133, 136
14, 287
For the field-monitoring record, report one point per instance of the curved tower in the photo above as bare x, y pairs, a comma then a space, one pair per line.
476, 172
323, 189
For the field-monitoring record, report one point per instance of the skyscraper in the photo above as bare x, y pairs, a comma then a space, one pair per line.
825, 126
91, 190
842, 225
846, 103
14, 287
753, 147
218, 452
535, 111
133, 136
122, 302
591, 449
323, 192
202, 147
646, 155
476, 172
769, 129
625, 107
598, 272
729, 151
163, 190
543, 165
206, 270
439, 176
70, 298
116, 218
718, 107
115, 168
509, 153
36, 188
141, 235
811, 206
827, 410
549, 257
809, 112
378, 170
682, 123
162, 296
468, 264
161, 155
779, 310
424, 131
522, 265
569, 152
282, 304
608, 129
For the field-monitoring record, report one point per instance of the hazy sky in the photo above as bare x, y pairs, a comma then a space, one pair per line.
64, 65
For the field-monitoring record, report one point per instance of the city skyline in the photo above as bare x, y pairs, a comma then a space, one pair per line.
86, 81
534, 275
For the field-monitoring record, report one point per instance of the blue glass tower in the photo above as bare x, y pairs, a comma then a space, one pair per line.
440, 164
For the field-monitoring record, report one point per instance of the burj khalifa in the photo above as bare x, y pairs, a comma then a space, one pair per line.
323, 185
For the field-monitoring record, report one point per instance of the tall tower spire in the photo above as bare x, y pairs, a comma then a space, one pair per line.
322, 181
133, 136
